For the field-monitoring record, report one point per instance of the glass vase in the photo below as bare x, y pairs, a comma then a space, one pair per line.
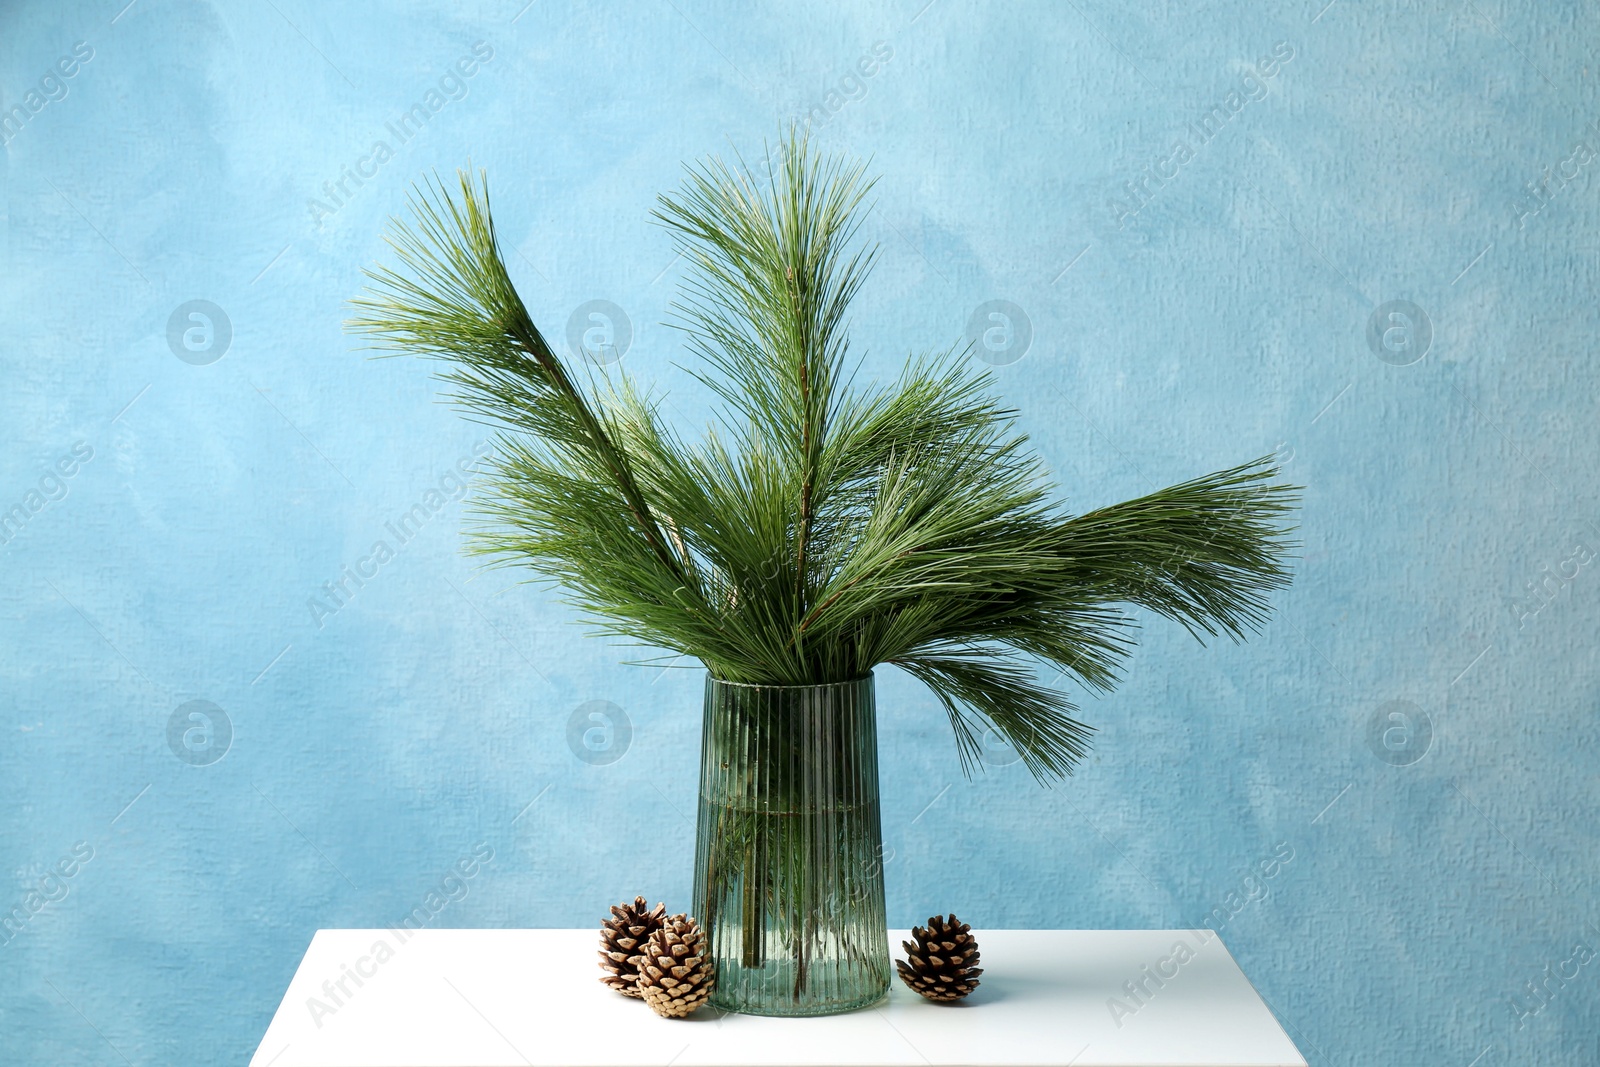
789, 850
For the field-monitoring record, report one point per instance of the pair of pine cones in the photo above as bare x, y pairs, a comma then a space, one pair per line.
656, 957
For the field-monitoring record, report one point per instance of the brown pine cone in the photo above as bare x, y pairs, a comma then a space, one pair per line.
622, 938
675, 974
943, 964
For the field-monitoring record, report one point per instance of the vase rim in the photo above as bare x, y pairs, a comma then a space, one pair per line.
869, 676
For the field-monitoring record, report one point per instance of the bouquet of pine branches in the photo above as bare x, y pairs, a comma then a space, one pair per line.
819, 528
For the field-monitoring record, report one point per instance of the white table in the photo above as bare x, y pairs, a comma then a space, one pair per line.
503, 998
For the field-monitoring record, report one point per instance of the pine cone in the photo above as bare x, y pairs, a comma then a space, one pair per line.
943, 963
622, 938
675, 974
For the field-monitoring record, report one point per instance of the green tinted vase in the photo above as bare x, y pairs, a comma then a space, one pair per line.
789, 850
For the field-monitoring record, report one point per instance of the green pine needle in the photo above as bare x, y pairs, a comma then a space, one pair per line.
819, 530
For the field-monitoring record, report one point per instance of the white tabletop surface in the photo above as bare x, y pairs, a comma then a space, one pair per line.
503, 998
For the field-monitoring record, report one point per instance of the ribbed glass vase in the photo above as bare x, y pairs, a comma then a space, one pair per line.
789, 849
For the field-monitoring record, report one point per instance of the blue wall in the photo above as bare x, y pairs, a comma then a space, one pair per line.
1415, 729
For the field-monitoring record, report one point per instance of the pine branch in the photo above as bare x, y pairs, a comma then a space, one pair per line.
982, 687
1205, 553
768, 306
821, 530
459, 304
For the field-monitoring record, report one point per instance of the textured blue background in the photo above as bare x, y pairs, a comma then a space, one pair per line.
1449, 521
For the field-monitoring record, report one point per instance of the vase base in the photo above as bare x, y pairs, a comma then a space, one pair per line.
774, 1011
836, 983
